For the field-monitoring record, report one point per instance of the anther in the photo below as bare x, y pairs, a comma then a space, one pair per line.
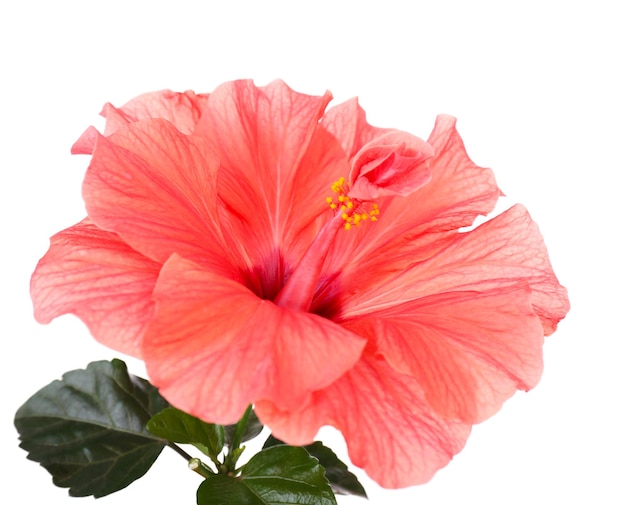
353, 212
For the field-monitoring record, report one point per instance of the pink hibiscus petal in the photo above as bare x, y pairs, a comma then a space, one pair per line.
214, 347
86, 142
155, 188
388, 426
469, 351
459, 190
183, 110
503, 252
262, 136
347, 122
91, 273
277, 165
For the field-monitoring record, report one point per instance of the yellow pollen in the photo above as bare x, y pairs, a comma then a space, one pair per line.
353, 212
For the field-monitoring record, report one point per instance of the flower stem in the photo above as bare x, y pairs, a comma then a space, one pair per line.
179, 450
200, 468
194, 464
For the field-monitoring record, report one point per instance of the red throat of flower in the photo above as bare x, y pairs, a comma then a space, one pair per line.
298, 291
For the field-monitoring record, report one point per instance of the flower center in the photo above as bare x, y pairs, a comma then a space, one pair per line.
298, 291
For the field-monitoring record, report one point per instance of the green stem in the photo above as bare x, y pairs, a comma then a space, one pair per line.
200, 468
180, 451
194, 464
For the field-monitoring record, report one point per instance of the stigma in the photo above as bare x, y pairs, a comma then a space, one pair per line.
353, 212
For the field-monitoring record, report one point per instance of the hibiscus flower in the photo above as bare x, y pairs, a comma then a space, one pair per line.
253, 248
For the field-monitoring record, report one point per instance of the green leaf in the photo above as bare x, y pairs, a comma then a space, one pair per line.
253, 428
341, 480
224, 490
180, 427
281, 475
88, 429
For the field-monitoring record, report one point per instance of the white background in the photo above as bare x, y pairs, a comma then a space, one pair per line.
538, 87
